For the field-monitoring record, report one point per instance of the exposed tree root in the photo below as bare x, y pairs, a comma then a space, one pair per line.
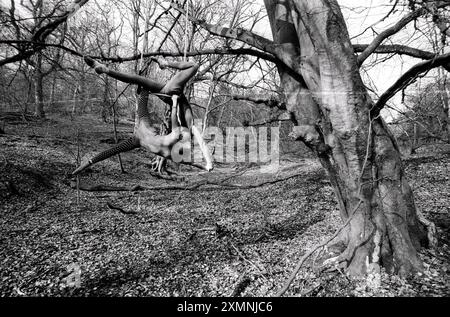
311, 252
243, 257
431, 228
306, 256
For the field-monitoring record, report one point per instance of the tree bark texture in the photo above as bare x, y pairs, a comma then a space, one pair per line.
331, 107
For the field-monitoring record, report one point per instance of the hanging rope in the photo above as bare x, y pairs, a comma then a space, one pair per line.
186, 24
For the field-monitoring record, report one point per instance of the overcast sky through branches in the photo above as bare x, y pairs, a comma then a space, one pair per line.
363, 20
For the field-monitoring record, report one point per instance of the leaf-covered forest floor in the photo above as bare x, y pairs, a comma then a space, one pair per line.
208, 241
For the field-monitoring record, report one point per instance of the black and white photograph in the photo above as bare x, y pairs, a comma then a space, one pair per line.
246, 151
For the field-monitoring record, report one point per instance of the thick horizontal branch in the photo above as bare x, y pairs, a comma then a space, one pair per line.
401, 50
407, 78
270, 102
215, 51
277, 117
396, 49
120, 59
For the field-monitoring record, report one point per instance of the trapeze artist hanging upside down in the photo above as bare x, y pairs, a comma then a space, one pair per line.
145, 135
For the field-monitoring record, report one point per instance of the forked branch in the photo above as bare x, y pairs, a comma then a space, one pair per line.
39, 37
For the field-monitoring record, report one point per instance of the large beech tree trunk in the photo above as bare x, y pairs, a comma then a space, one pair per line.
333, 113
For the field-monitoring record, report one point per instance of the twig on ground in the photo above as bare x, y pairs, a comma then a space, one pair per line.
116, 140
318, 286
125, 212
262, 271
243, 283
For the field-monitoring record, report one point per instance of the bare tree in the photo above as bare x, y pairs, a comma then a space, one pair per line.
30, 40
339, 121
321, 88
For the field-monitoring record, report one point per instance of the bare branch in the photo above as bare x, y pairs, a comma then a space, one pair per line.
407, 78
372, 47
282, 57
42, 33
214, 51
389, 32
396, 49
401, 50
239, 34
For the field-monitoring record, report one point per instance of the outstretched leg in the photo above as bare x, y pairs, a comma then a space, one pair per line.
148, 84
188, 70
124, 146
141, 106
176, 84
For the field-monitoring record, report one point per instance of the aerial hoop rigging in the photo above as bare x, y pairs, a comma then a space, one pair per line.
186, 25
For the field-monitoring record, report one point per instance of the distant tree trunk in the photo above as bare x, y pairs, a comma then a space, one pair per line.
446, 116
443, 87
332, 109
75, 101
82, 92
38, 88
52, 90
106, 106
416, 138
444, 94
136, 30
30, 94
212, 89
